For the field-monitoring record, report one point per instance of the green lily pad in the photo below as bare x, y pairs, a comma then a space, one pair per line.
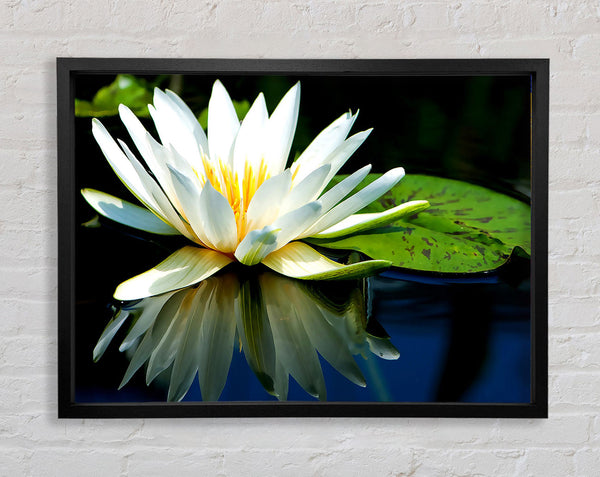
125, 89
467, 228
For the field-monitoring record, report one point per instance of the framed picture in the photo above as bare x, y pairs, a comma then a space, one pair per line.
302, 237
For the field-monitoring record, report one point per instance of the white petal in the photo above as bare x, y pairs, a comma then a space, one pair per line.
307, 190
134, 176
136, 130
359, 200
342, 153
342, 189
382, 347
173, 127
223, 123
298, 260
150, 308
217, 336
266, 202
256, 338
126, 213
218, 219
170, 343
293, 348
280, 130
186, 266
295, 222
260, 243
359, 222
109, 333
324, 144
164, 208
256, 245
192, 121
249, 141
156, 156
188, 197
330, 344
153, 336
187, 357
120, 164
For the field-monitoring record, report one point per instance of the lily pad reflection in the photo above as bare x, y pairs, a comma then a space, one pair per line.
281, 325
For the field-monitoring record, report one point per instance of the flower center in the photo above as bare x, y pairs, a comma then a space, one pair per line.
237, 190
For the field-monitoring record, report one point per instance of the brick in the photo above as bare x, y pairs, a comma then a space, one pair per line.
587, 461
163, 461
43, 15
381, 18
35, 317
103, 432
21, 395
475, 16
431, 16
27, 355
568, 128
593, 129
574, 204
66, 461
19, 168
573, 279
371, 460
573, 312
35, 87
558, 431
15, 461
129, 45
574, 166
468, 462
575, 351
575, 389
333, 16
29, 208
585, 50
566, 239
516, 45
584, 95
548, 462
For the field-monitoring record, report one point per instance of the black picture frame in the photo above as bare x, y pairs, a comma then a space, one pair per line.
536, 69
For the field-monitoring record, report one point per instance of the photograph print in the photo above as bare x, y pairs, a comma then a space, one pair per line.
288, 241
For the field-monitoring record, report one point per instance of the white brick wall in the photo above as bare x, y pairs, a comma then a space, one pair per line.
34, 32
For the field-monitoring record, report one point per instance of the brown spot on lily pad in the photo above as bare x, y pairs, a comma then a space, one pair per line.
462, 211
426, 252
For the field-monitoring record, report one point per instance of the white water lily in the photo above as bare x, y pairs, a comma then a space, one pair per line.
231, 194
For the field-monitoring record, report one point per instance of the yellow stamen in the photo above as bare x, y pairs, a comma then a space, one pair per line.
227, 183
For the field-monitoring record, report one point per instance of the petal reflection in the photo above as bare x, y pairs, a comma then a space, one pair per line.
282, 325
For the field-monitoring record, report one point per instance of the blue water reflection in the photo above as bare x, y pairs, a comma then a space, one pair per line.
458, 342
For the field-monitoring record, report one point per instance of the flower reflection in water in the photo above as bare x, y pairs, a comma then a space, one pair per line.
280, 324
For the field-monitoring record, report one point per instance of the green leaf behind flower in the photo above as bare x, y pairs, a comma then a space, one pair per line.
468, 228
125, 89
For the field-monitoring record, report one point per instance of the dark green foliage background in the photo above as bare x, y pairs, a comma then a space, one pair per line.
469, 128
